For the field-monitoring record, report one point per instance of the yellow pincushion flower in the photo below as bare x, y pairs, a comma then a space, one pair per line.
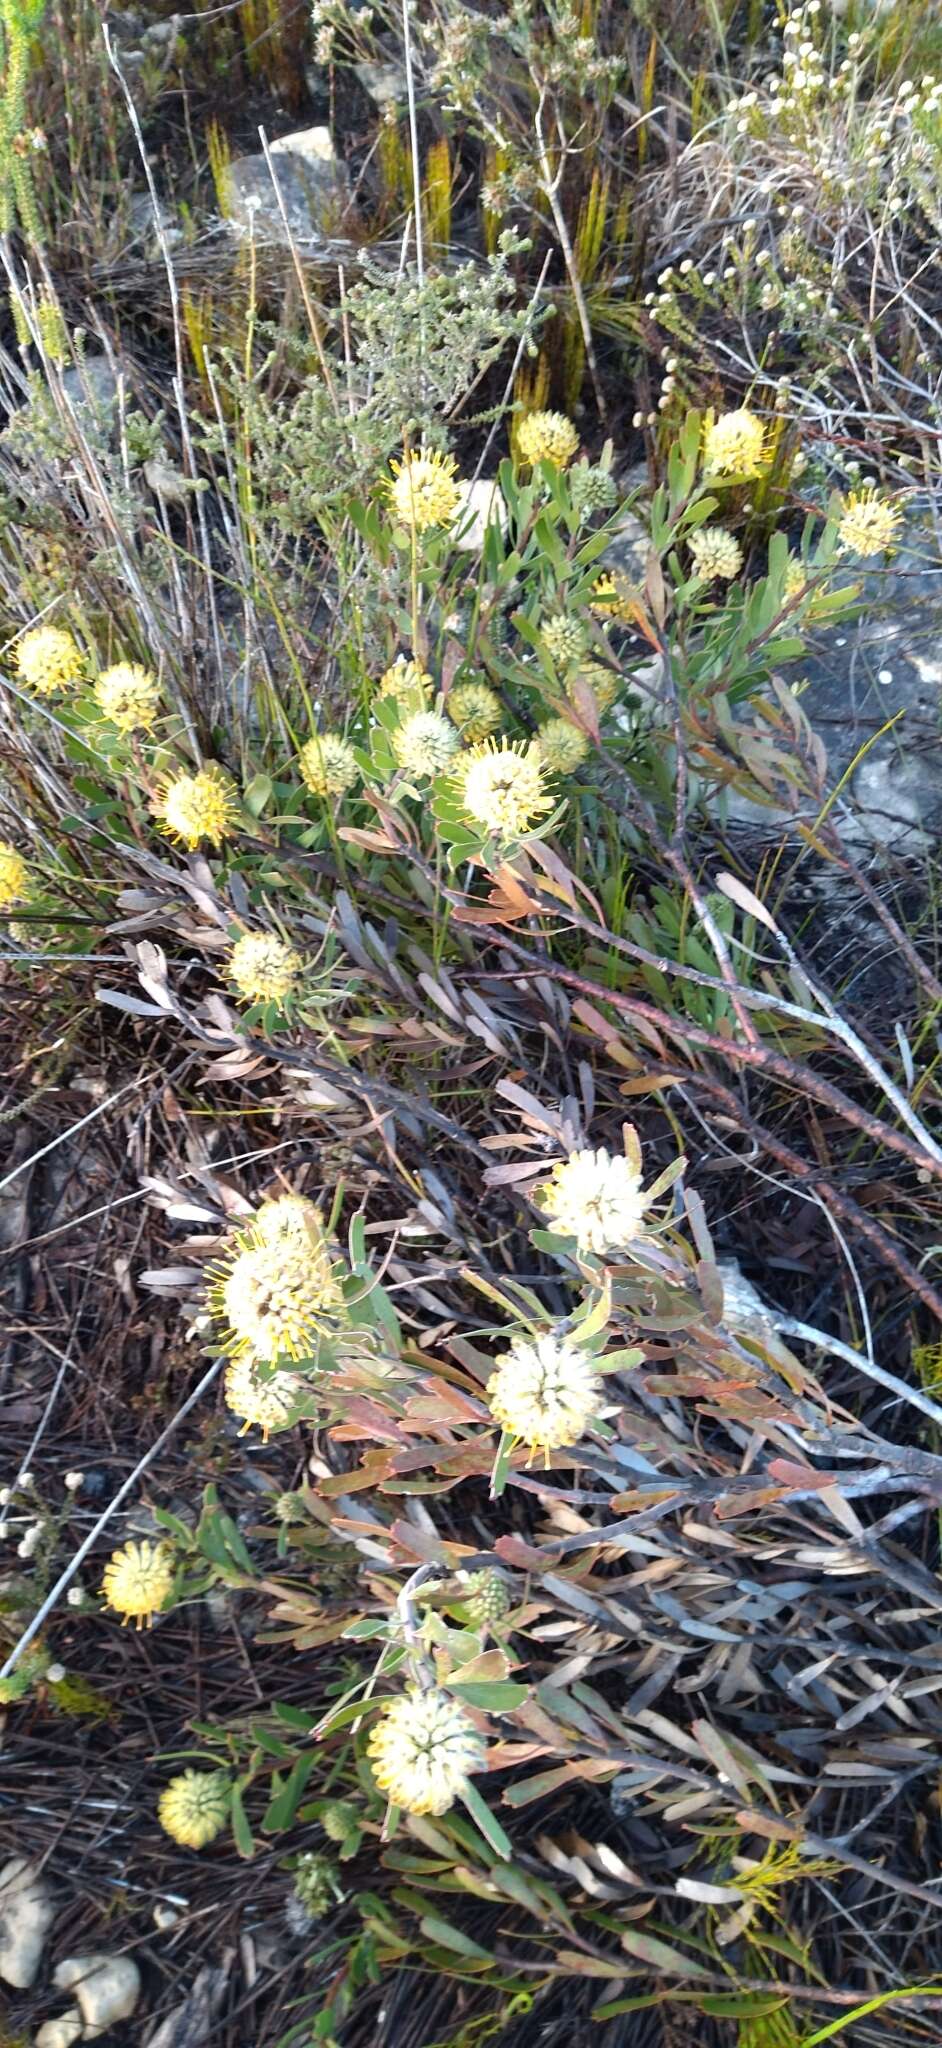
595, 1198
137, 1580
128, 696
734, 445
424, 743
547, 437
423, 1751
195, 807
613, 597
264, 1404
407, 682
47, 660
194, 1808
277, 1292
328, 765
869, 524
262, 969
476, 710
14, 875
502, 787
544, 1393
424, 492
563, 746
716, 552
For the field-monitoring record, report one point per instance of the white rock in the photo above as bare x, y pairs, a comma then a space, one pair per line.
107, 1989
309, 142
26, 1912
62, 2032
482, 505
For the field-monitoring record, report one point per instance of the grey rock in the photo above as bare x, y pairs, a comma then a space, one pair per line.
92, 386
26, 1915
146, 224
627, 551
385, 83
314, 187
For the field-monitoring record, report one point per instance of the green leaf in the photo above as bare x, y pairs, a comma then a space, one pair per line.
484, 1819
284, 1806
257, 794
241, 1832
497, 1696
452, 1937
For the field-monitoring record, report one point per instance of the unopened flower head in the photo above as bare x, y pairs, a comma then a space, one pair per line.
488, 1595
595, 1198
562, 745
423, 1751
48, 660
277, 1293
194, 1808
476, 710
424, 743
259, 1404
262, 969
869, 524
502, 787
547, 437
424, 492
716, 552
602, 682
14, 875
796, 577
137, 1580
563, 638
544, 1393
734, 444
407, 683
196, 807
128, 696
328, 765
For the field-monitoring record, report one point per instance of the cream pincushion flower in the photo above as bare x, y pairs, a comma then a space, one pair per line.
424, 492
128, 696
194, 1808
716, 552
547, 437
14, 875
476, 710
423, 1751
262, 969
137, 1580
869, 524
266, 1404
563, 746
734, 445
288, 1218
277, 1298
328, 765
47, 660
200, 806
424, 743
595, 1198
502, 787
546, 1393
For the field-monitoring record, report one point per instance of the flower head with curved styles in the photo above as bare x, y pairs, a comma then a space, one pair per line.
407, 683
194, 1808
547, 437
328, 765
262, 969
563, 746
137, 1580
423, 1751
424, 491
128, 696
545, 1393
191, 808
48, 660
734, 444
614, 597
716, 553
259, 1404
424, 743
502, 787
14, 875
277, 1293
868, 524
595, 1198
476, 710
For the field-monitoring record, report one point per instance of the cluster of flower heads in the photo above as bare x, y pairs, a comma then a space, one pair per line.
49, 661
277, 1296
423, 1751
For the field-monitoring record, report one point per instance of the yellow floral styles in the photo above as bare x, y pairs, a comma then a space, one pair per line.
424, 491
137, 1581
48, 660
